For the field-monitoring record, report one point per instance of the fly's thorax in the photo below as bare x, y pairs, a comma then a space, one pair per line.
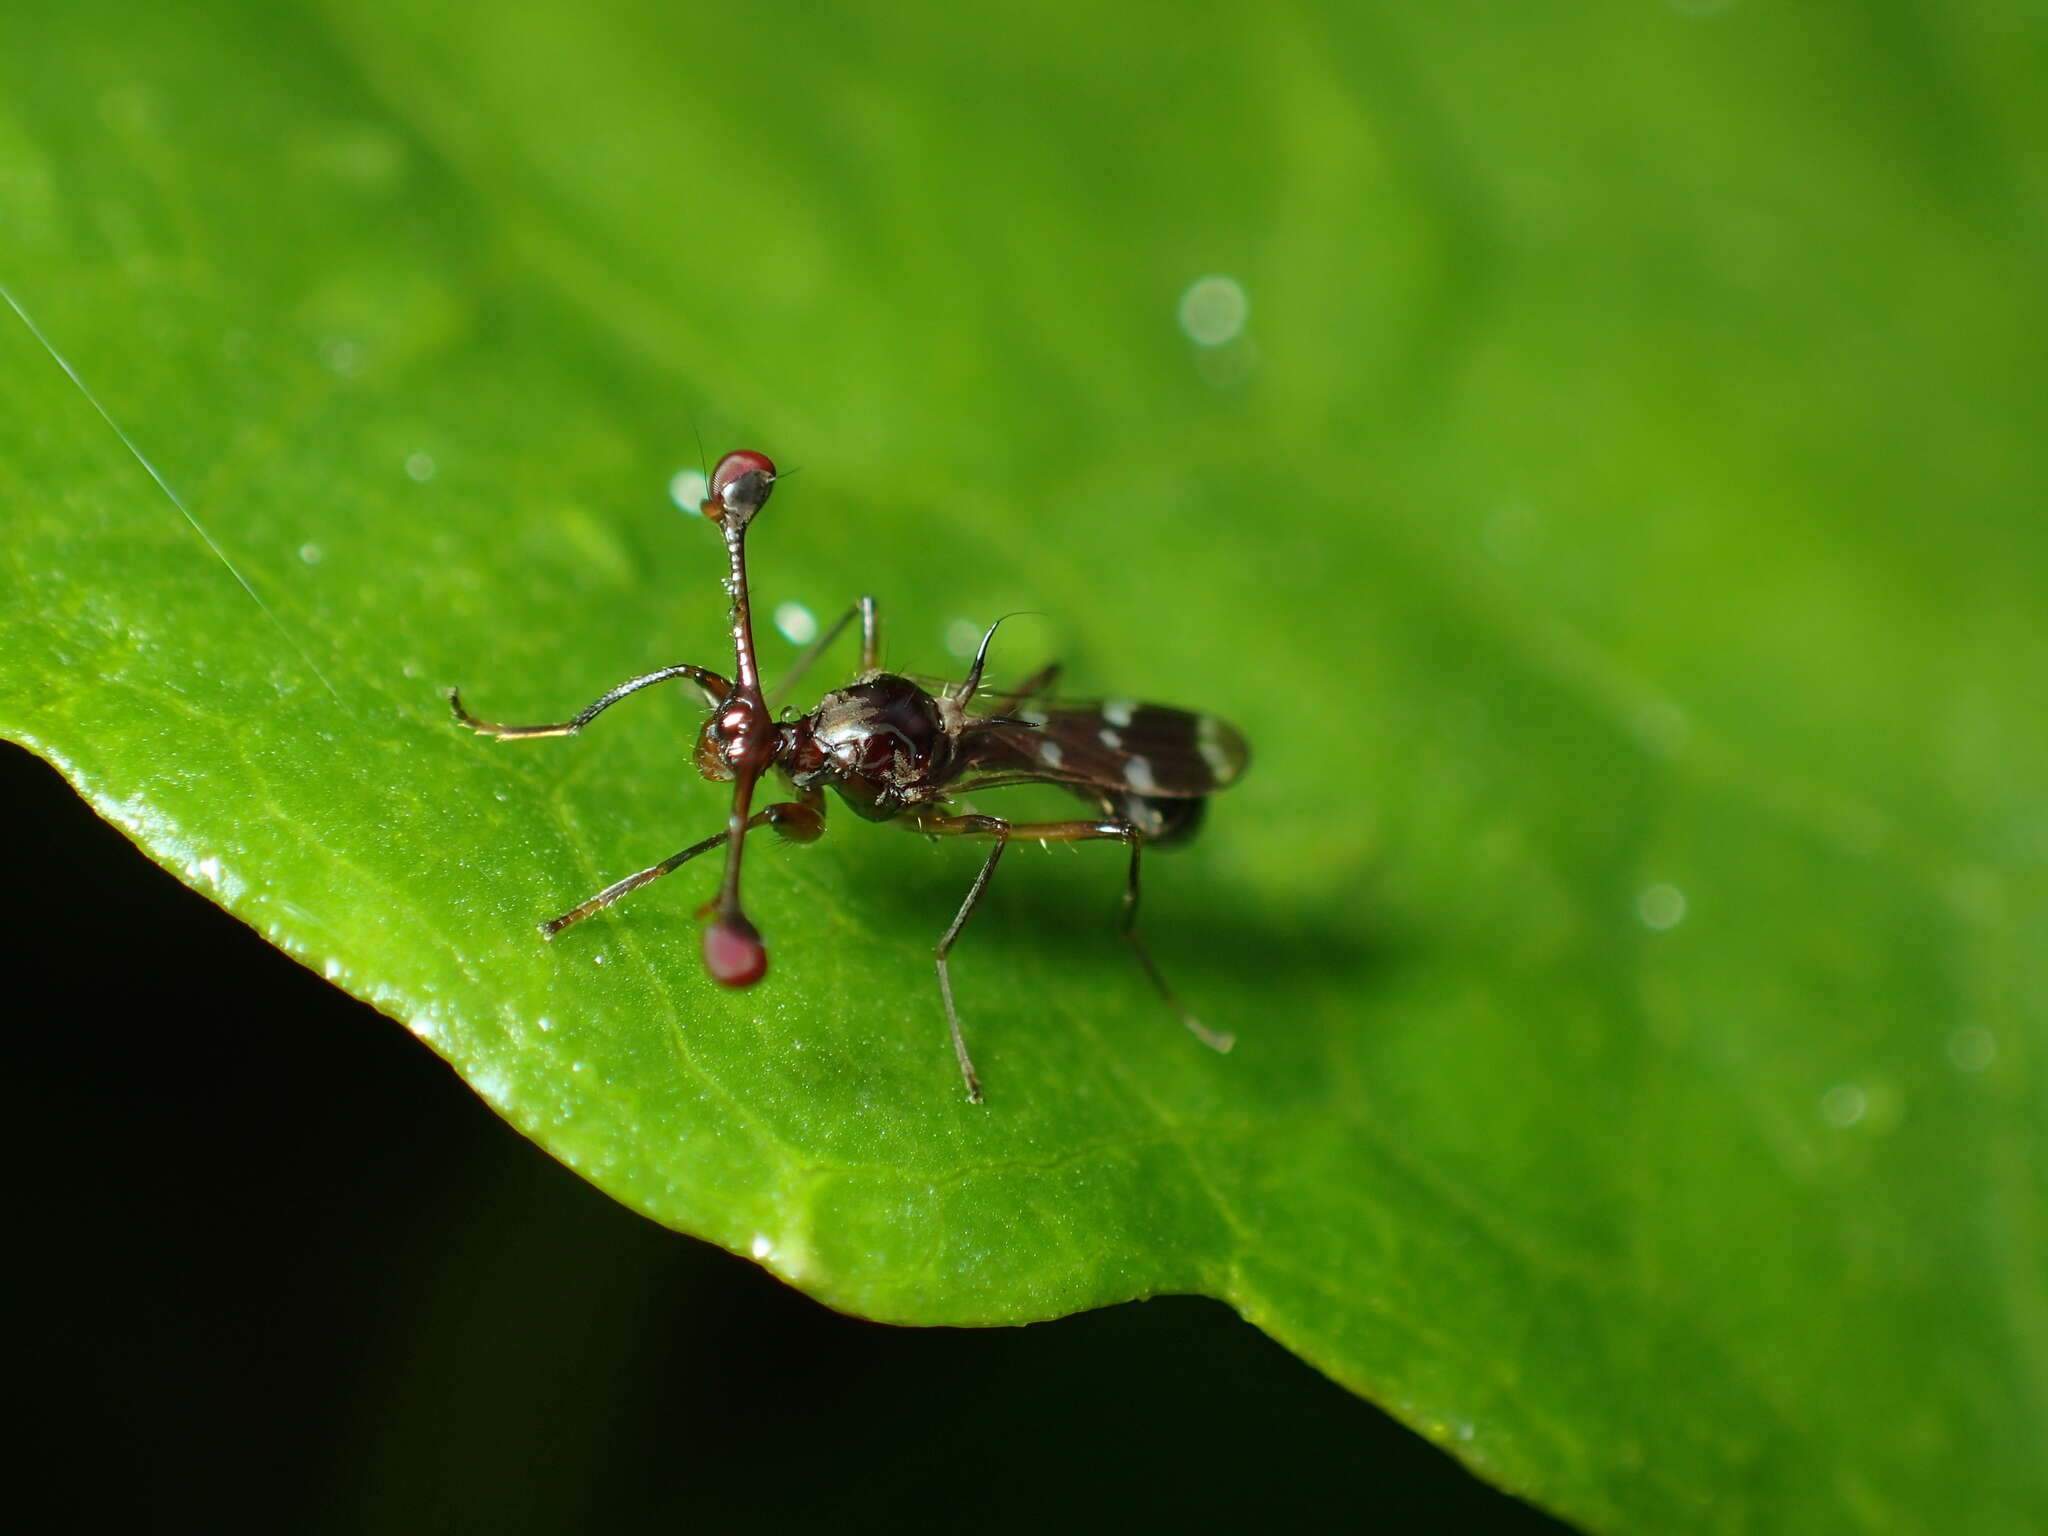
884, 743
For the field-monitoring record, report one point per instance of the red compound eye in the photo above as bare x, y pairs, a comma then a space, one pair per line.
740, 485
734, 953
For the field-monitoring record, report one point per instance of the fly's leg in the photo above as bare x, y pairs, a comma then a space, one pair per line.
631, 883
1127, 925
870, 634
713, 686
870, 645
1038, 682
1002, 831
796, 821
945, 947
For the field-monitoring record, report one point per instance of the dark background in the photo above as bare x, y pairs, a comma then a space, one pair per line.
279, 1267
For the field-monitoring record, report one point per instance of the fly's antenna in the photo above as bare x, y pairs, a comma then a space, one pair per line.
739, 487
702, 463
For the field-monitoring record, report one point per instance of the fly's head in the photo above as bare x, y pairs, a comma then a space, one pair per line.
739, 738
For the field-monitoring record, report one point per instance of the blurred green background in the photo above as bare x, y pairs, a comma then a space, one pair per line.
1612, 513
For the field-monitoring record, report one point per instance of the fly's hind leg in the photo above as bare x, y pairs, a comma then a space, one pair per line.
1127, 925
1037, 683
1001, 832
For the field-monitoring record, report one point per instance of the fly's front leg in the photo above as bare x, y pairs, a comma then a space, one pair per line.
794, 821
631, 883
714, 688
797, 821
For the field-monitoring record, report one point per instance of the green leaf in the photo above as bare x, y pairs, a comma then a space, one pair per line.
1618, 529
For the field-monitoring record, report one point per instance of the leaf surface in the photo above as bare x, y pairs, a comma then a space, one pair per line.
1617, 529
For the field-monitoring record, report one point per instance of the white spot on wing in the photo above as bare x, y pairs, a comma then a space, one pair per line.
1209, 742
1110, 739
1138, 773
1050, 754
1118, 711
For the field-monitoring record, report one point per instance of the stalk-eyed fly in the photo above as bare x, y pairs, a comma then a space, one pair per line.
895, 751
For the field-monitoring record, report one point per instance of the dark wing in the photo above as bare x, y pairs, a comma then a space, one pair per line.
1110, 745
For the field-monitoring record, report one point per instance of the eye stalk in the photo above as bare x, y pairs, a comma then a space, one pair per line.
739, 488
743, 724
